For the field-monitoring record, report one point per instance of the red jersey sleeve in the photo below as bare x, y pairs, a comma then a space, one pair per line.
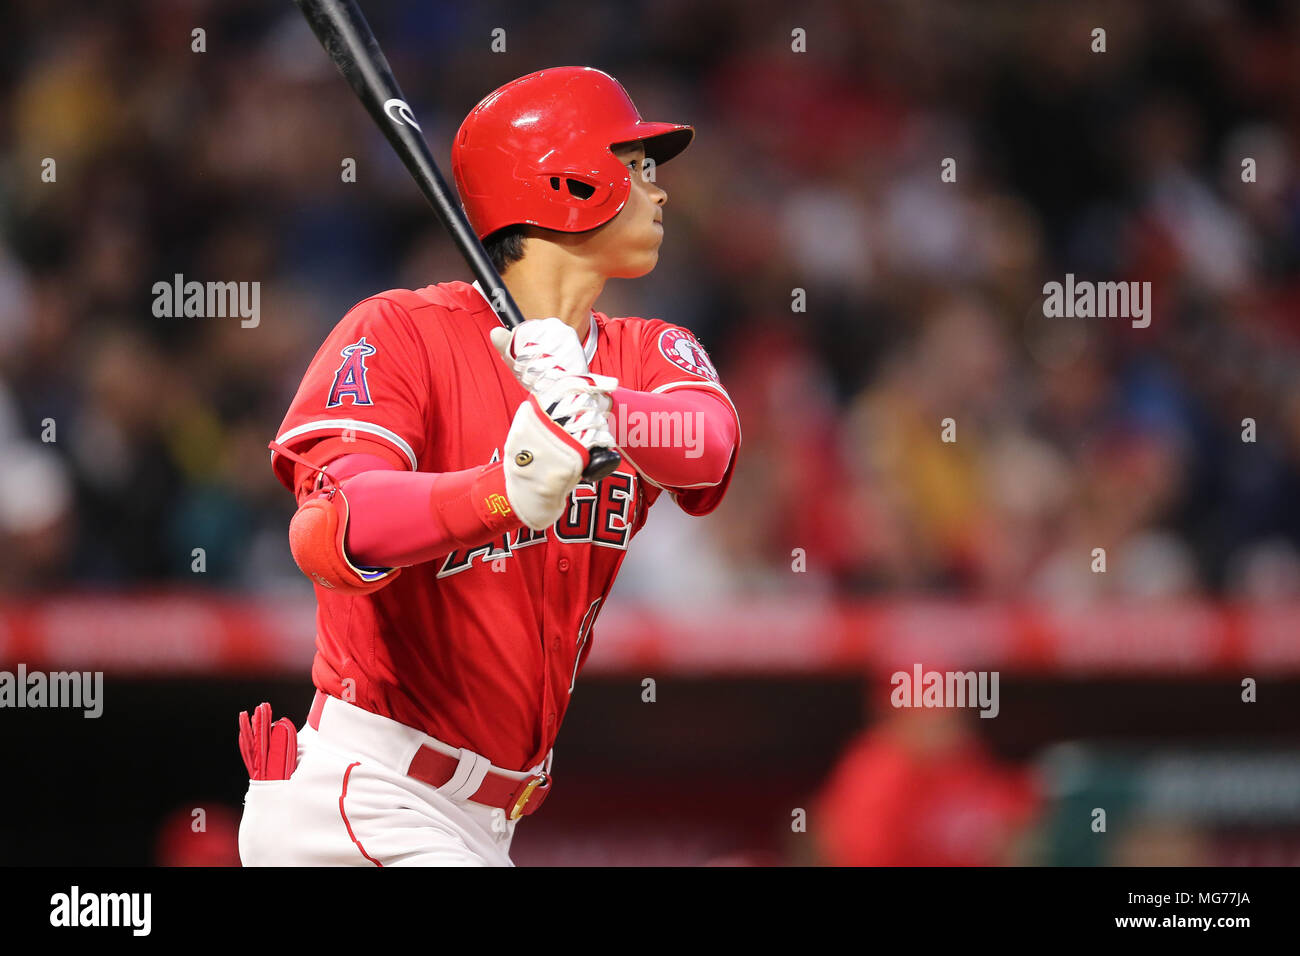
370, 381
672, 358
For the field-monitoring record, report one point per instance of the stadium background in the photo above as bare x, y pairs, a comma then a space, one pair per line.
817, 171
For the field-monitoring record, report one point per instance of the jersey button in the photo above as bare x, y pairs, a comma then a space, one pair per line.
550, 720
563, 564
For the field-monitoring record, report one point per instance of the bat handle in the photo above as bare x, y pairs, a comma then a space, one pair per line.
601, 462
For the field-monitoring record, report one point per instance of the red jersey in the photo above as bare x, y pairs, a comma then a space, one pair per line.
888, 805
481, 648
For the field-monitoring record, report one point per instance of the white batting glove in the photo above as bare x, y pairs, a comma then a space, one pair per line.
579, 404
547, 447
540, 352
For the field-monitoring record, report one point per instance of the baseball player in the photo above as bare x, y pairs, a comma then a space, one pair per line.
458, 557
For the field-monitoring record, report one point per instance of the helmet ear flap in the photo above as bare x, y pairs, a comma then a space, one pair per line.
583, 193
576, 187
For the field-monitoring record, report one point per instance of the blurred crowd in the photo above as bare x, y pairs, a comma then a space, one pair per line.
131, 440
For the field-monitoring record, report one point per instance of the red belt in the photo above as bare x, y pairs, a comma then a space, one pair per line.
519, 798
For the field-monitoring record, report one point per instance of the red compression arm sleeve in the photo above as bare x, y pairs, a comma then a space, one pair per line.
400, 518
689, 447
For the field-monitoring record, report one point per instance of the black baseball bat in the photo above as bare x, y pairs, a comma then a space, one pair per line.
351, 44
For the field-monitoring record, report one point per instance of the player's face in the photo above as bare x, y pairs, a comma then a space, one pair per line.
628, 245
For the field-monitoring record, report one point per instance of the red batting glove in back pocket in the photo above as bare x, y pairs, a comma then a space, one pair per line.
270, 750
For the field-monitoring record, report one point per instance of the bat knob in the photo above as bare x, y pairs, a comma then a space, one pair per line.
601, 462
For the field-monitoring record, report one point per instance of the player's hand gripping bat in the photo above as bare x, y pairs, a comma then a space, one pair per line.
348, 40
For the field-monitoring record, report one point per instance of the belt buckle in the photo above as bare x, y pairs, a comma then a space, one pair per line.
518, 810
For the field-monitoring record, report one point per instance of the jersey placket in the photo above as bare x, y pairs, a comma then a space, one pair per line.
555, 580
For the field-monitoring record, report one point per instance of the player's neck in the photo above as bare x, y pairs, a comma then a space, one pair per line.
549, 282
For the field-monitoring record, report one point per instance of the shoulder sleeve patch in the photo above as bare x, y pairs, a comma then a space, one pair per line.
680, 347
350, 377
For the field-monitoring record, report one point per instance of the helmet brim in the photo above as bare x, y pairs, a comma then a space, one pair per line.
662, 141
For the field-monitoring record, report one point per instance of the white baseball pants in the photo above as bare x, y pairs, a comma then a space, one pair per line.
349, 802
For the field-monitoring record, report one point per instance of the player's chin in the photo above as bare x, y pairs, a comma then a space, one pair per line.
643, 262
645, 269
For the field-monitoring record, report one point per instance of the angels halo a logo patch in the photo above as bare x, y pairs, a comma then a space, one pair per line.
350, 377
680, 348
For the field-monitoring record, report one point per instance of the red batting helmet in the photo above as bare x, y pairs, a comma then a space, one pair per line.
537, 151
